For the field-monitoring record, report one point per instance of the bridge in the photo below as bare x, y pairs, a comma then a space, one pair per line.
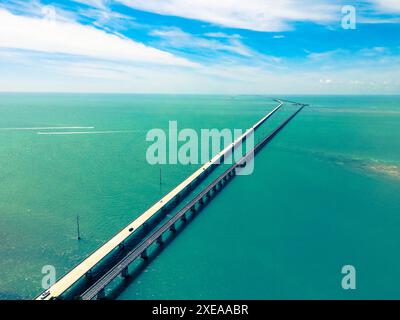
84, 269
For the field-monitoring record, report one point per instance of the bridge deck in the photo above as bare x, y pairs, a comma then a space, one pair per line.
68, 280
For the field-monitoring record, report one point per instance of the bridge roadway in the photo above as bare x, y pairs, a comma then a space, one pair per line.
97, 289
85, 267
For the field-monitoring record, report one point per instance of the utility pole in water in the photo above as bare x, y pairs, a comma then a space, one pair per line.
77, 225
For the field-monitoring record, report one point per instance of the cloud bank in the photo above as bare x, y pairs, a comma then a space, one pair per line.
256, 15
28, 33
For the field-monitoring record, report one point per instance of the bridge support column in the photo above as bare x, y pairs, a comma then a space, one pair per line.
172, 228
184, 219
125, 273
160, 240
193, 209
144, 255
201, 204
101, 295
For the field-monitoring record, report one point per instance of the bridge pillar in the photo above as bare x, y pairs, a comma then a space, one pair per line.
201, 202
172, 228
101, 295
193, 209
243, 164
184, 219
160, 240
144, 255
125, 273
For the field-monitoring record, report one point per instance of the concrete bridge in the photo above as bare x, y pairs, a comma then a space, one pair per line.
96, 288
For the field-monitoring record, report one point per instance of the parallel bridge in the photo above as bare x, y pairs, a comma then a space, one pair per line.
96, 290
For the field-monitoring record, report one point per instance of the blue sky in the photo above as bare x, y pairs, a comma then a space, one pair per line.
200, 46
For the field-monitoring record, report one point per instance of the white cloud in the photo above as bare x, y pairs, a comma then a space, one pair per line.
340, 58
325, 81
176, 38
99, 4
325, 56
101, 14
222, 35
51, 73
374, 52
28, 33
63, 56
258, 15
390, 6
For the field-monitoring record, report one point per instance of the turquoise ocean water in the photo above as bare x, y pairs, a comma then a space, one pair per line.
324, 194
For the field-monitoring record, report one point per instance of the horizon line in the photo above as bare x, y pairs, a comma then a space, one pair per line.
200, 94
